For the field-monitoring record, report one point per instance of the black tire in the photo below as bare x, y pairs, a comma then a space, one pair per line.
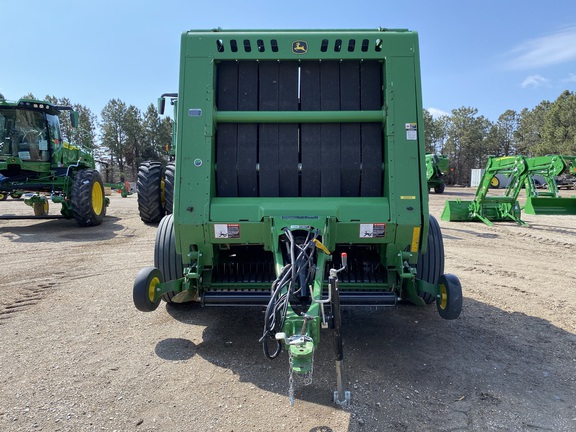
440, 188
431, 264
15, 195
3, 196
169, 187
40, 208
450, 301
88, 201
143, 292
165, 257
150, 192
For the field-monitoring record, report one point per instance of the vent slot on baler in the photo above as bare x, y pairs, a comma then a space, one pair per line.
299, 159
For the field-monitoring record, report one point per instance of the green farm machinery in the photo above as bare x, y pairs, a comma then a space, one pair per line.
548, 200
300, 185
489, 206
436, 169
155, 184
37, 162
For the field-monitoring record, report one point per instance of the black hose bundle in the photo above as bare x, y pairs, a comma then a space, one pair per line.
292, 281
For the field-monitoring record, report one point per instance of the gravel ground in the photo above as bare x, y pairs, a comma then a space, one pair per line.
77, 356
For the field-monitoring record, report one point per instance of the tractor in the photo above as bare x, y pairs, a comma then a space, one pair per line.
300, 186
436, 169
155, 181
37, 162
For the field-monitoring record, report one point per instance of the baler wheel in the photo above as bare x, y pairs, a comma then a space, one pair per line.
40, 208
165, 257
431, 264
450, 301
169, 187
88, 202
144, 285
150, 192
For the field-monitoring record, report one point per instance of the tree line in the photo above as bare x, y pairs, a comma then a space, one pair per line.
468, 138
120, 138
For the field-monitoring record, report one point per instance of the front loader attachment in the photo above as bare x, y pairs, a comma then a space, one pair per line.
550, 206
492, 209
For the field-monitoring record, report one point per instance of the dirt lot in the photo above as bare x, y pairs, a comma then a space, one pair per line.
77, 356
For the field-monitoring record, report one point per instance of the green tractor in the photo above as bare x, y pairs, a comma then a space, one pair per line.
300, 186
155, 181
36, 160
436, 169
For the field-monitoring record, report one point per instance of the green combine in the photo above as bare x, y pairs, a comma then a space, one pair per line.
36, 160
300, 186
436, 170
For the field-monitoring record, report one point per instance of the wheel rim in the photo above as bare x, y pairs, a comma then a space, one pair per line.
494, 182
152, 288
443, 297
97, 198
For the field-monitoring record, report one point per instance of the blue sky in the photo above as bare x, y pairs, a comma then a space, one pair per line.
491, 55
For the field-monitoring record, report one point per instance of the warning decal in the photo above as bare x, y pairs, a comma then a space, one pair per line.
226, 231
372, 230
411, 131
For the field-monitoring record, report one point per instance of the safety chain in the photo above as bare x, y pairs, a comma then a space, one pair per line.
304, 378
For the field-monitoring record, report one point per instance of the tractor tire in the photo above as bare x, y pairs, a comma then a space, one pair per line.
169, 187
40, 208
431, 264
88, 202
3, 196
450, 301
440, 188
165, 257
494, 183
16, 195
150, 192
144, 286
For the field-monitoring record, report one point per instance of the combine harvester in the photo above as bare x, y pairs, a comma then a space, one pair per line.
436, 169
300, 186
519, 170
34, 158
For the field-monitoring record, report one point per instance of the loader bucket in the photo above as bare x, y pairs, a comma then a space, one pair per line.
457, 211
492, 210
550, 206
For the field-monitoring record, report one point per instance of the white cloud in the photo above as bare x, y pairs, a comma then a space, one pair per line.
556, 48
535, 81
437, 112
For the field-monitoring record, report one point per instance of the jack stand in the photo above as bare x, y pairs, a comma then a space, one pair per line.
341, 397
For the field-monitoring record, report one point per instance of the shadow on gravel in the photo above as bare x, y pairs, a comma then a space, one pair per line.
408, 369
59, 230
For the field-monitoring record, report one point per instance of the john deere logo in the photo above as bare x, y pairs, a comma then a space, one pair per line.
299, 47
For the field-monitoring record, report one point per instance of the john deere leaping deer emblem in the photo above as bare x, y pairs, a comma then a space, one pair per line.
299, 47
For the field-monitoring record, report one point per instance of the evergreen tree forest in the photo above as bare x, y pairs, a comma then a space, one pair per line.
468, 138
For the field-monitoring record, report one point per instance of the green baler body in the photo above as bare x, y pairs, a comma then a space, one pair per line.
294, 129
299, 185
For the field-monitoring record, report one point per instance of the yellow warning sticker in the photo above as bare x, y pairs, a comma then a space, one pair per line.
407, 197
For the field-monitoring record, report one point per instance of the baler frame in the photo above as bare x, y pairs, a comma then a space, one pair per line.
294, 147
